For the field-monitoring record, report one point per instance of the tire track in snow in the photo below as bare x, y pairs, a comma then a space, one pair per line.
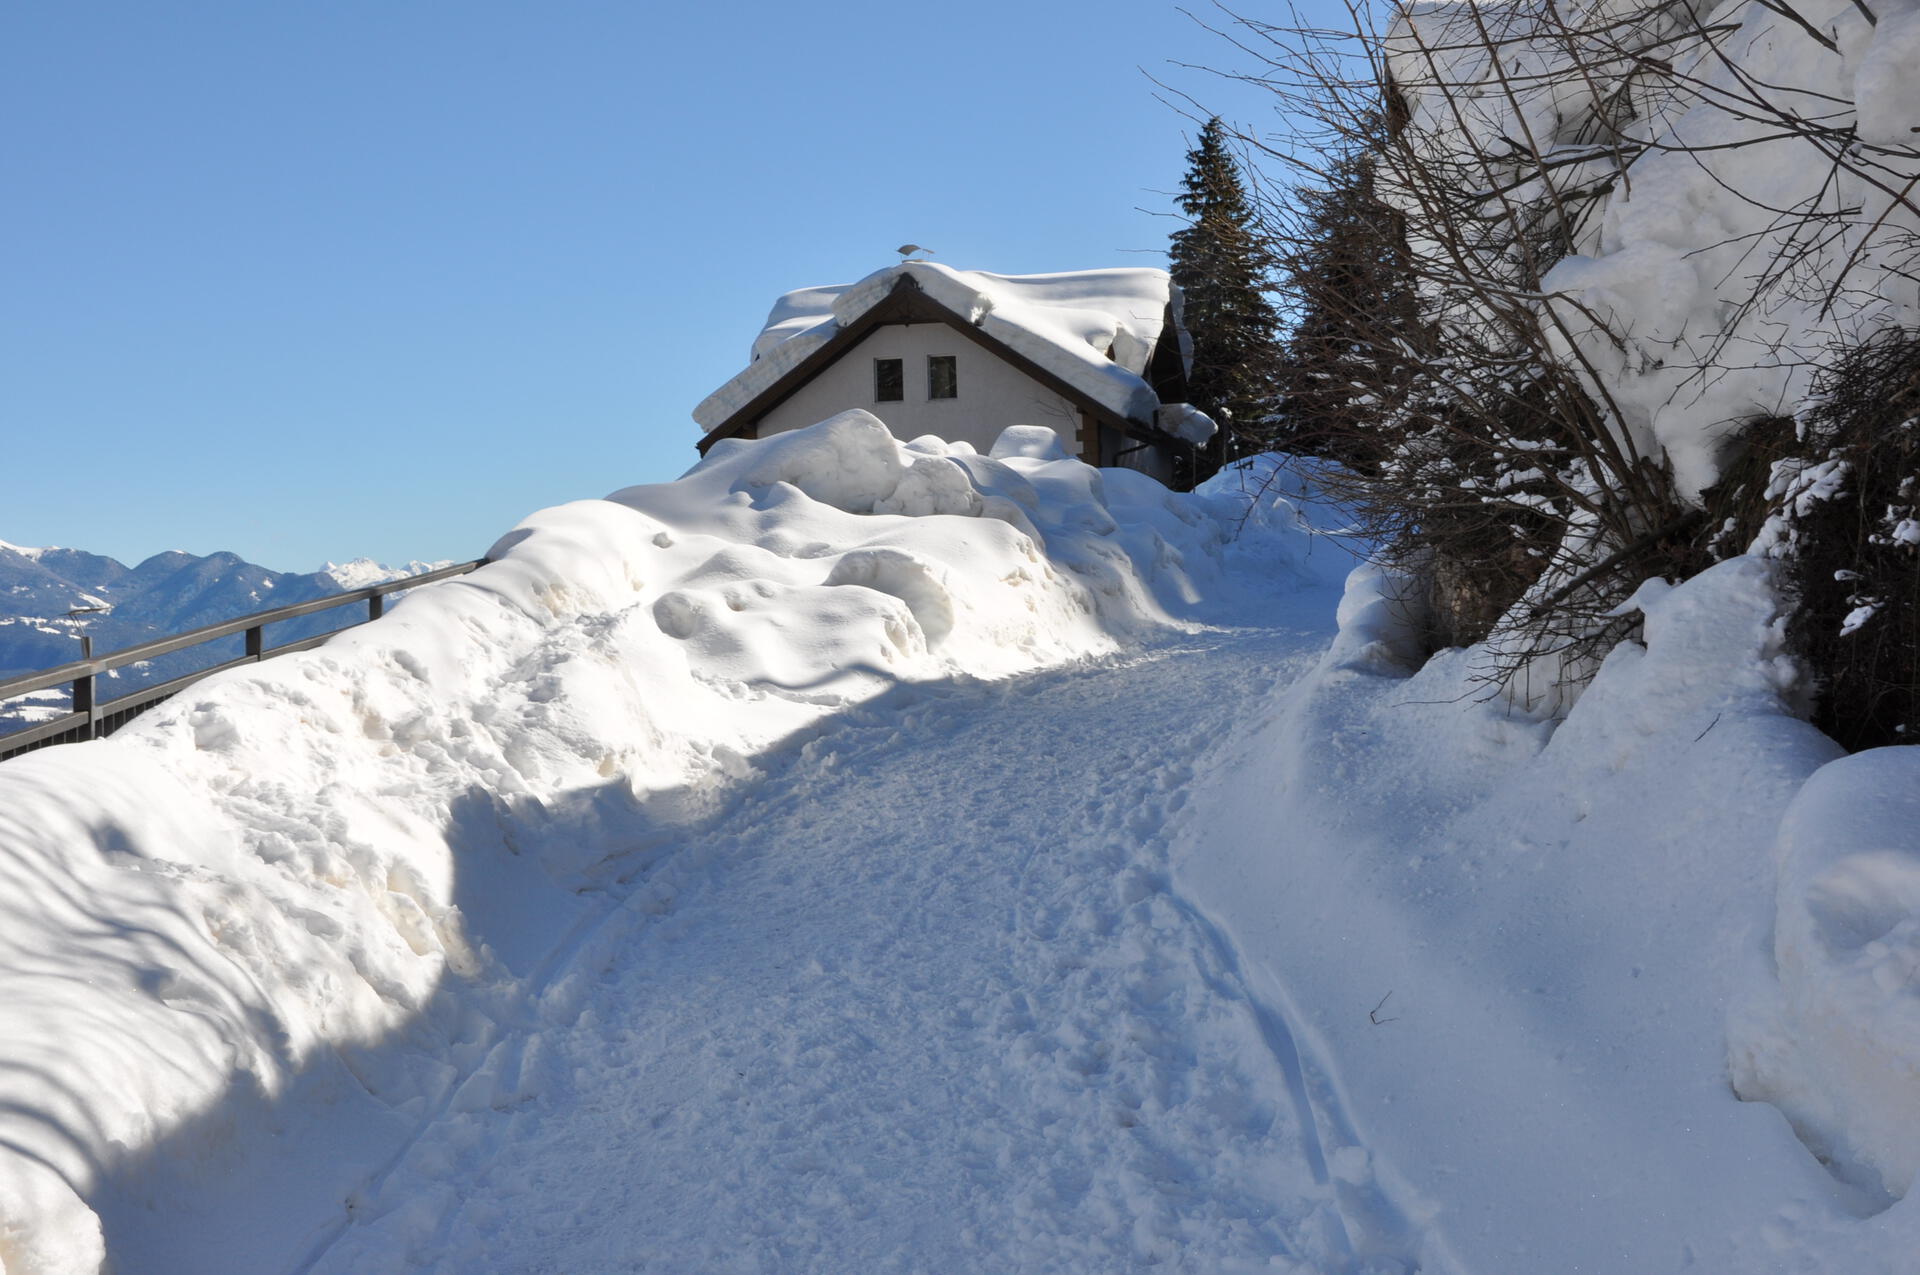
925, 1000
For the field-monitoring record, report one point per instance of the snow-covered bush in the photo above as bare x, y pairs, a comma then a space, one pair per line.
1846, 527
1628, 231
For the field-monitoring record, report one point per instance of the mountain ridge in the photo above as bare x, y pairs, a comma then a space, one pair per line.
169, 592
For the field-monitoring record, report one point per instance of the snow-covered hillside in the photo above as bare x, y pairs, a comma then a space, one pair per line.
859, 855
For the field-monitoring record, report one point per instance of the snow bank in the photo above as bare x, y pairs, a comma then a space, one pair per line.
1836, 1042
1095, 329
1507, 946
251, 942
1495, 937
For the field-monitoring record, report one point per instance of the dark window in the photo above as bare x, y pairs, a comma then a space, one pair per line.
943, 378
889, 380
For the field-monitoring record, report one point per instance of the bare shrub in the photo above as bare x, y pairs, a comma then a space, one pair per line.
1430, 175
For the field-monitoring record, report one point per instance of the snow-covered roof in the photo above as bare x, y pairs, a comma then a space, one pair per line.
1066, 323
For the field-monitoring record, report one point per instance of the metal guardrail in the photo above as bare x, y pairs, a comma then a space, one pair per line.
95, 720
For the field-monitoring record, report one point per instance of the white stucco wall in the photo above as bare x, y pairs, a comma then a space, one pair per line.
992, 395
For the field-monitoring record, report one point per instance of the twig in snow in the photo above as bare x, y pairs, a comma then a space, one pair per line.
1373, 1015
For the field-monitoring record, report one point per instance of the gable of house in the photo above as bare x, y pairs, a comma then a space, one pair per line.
1092, 354
919, 361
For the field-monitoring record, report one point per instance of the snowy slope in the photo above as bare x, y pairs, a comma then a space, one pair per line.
1525, 959
860, 855
252, 942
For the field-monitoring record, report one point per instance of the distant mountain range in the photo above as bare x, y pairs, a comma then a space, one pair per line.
168, 593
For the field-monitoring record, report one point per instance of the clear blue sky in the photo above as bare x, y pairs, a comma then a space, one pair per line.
378, 278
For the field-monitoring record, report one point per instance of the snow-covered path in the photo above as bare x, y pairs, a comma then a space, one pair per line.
661, 899
923, 1002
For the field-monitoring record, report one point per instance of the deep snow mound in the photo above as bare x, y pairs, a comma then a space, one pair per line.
1834, 1039
323, 884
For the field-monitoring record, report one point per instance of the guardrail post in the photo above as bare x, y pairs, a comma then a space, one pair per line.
376, 606
83, 691
254, 641
83, 702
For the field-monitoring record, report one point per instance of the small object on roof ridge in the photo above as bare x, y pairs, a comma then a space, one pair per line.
908, 249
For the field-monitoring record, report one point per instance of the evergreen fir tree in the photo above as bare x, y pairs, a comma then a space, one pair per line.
1222, 265
1347, 274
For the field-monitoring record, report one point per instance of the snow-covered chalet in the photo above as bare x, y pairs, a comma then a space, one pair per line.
1099, 356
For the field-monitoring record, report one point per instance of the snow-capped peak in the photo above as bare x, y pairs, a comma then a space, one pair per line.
364, 573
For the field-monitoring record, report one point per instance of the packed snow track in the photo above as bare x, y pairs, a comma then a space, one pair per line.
923, 1001
769, 870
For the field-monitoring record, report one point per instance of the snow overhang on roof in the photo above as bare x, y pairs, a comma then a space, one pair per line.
1065, 324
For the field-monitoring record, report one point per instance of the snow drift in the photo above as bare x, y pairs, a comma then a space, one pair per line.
1835, 1042
1565, 929
306, 898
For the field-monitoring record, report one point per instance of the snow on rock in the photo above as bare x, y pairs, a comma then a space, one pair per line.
299, 904
1381, 621
1712, 648
1095, 329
